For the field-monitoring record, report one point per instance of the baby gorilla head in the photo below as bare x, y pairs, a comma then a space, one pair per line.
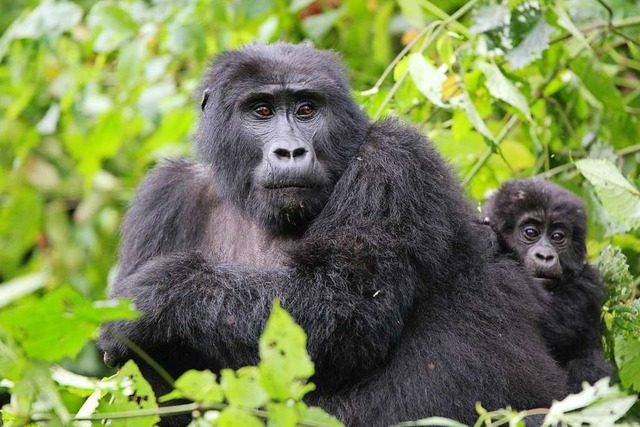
543, 224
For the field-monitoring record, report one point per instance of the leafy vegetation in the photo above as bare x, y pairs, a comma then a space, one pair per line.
93, 93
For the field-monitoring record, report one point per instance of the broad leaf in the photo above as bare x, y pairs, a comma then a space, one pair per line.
427, 78
618, 196
502, 88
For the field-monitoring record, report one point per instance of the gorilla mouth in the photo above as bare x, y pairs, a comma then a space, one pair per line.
286, 185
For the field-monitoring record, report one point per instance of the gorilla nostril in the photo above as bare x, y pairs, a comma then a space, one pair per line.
298, 152
282, 153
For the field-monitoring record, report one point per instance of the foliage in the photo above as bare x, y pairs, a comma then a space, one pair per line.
93, 93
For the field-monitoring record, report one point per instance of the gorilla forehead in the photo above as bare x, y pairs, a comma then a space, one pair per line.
550, 200
276, 64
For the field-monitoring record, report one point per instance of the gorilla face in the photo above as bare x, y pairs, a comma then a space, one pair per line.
278, 140
543, 224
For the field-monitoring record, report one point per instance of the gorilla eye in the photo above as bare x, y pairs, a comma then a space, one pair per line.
531, 233
263, 111
557, 236
305, 111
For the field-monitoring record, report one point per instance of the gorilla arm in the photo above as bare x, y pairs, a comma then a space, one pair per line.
351, 281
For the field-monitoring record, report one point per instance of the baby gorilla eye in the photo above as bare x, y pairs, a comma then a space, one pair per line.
557, 236
305, 111
531, 233
263, 111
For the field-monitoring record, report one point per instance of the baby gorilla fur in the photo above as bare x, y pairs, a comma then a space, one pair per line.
545, 226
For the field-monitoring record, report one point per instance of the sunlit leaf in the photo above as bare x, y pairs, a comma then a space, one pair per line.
133, 393
618, 196
502, 88
427, 78
532, 46
42, 327
199, 386
241, 388
285, 365
627, 351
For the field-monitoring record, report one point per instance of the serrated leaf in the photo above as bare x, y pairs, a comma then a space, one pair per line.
133, 394
618, 196
613, 267
242, 388
199, 386
532, 46
42, 326
489, 17
627, 351
427, 78
502, 88
317, 416
285, 365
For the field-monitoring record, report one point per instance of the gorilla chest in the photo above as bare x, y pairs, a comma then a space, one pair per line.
234, 238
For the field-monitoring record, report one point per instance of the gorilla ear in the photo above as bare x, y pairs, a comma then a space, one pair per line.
205, 98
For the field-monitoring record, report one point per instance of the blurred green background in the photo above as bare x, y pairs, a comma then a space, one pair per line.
93, 93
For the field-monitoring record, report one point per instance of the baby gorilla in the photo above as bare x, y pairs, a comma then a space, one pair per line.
545, 226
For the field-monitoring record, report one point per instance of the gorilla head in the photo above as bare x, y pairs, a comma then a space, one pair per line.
279, 132
543, 224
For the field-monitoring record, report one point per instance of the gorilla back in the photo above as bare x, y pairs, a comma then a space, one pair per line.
359, 229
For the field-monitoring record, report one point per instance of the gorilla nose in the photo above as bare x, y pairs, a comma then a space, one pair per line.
546, 256
286, 155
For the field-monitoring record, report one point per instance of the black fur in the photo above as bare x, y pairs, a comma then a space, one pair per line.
572, 294
406, 312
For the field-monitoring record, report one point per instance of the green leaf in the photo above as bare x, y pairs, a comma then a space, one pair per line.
427, 78
618, 196
412, 12
133, 394
627, 351
464, 103
600, 404
42, 327
50, 18
109, 15
20, 223
317, 26
317, 416
285, 365
501, 87
598, 83
531, 48
297, 5
242, 388
444, 47
613, 267
234, 417
21, 286
199, 386
564, 20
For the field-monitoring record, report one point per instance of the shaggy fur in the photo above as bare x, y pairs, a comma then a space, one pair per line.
407, 313
573, 296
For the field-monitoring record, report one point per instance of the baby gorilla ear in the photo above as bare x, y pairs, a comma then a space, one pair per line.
205, 98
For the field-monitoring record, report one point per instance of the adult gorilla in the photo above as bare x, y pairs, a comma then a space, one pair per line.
358, 228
